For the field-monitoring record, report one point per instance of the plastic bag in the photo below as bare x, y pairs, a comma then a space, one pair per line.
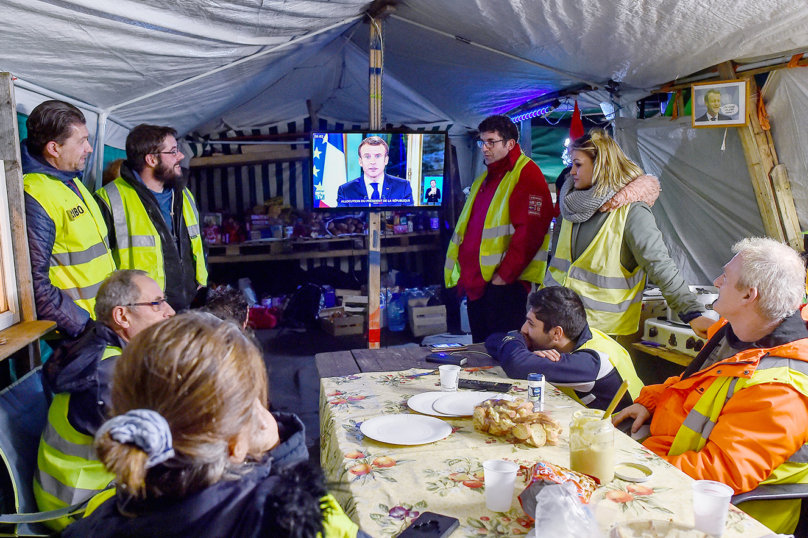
560, 514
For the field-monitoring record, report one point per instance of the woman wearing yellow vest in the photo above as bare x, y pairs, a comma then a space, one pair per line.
608, 240
557, 342
195, 450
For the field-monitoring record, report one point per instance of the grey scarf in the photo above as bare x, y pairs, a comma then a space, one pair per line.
579, 206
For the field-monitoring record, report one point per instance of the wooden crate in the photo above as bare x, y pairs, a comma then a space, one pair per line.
425, 320
341, 326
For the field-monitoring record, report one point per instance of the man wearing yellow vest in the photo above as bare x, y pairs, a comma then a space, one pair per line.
500, 243
79, 376
67, 236
738, 413
152, 217
557, 341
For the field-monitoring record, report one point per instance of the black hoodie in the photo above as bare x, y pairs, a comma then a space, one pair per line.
178, 260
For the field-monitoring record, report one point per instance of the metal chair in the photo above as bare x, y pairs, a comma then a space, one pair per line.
23, 415
774, 492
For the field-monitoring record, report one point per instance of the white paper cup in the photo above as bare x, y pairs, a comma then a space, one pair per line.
500, 480
710, 506
449, 376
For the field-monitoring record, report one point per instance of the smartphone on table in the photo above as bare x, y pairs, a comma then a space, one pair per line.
430, 525
454, 346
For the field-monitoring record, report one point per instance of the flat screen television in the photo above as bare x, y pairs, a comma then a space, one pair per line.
387, 170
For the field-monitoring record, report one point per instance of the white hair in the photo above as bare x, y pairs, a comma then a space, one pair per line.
776, 271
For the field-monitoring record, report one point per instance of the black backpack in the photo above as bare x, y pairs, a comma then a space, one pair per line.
304, 305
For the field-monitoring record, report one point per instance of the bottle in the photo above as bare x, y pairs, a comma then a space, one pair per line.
535, 391
395, 313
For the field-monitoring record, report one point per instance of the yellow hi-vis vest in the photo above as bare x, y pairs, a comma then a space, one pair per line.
611, 294
80, 259
138, 242
68, 471
497, 232
780, 515
618, 357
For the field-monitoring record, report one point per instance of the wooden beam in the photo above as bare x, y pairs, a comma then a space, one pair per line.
769, 178
670, 87
10, 155
276, 154
788, 212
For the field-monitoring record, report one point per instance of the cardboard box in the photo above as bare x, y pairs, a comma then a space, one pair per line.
425, 320
345, 326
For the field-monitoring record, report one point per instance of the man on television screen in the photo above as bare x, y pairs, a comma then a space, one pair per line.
374, 188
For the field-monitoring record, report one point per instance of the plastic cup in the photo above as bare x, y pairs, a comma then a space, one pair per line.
500, 480
710, 506
449, 377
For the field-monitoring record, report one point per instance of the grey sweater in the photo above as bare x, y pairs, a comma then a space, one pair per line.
643, 246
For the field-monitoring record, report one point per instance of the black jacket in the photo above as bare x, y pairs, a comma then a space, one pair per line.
581, 367
76, 367
51, 303
178, 259
281, 492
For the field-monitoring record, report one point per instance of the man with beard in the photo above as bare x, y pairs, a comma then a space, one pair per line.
152, 217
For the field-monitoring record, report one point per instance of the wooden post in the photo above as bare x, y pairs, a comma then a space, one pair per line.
374, 217
10, 155
769, 177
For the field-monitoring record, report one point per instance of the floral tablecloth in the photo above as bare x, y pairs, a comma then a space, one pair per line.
384, 487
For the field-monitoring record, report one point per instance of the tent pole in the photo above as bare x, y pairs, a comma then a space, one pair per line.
237, 62
100, 138
56, 95
375, 71
594, 85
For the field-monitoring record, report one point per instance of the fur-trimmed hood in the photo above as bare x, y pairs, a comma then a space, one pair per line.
643, 189
279, 497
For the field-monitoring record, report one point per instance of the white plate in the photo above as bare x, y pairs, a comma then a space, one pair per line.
405, 429
462, 404
422, 403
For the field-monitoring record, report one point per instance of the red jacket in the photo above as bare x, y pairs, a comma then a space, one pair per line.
758, 429
531, 193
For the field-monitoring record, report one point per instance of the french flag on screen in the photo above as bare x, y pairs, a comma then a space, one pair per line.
329, 169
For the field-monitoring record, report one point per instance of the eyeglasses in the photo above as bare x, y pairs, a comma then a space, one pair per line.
173, 152
488, 143
156, 305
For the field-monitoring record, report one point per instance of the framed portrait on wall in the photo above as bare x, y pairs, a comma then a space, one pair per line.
719, 104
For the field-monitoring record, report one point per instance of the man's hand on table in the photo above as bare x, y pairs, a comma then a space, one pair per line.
638, 412
550, 354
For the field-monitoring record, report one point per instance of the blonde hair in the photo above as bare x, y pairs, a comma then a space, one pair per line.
612, 170
202, 375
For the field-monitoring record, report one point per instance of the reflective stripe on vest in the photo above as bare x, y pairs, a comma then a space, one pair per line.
497, 232
617, 359
138, 242
611, 295
68, 470
700, 421
80, 259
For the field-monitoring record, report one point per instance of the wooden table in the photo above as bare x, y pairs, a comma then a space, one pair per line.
664, 353
383, 487
390, 359
23, 334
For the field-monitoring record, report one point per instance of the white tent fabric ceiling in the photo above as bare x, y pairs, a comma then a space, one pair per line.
108, 52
